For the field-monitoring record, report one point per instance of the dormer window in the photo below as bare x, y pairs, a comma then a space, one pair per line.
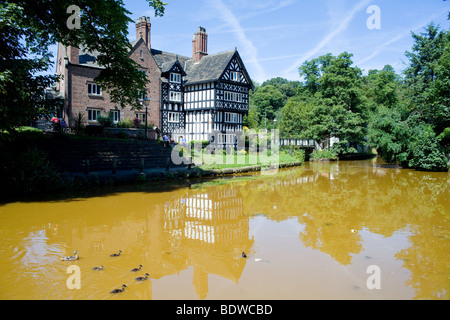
234, 76
175, 77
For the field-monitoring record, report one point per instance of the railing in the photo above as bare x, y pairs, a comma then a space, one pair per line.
306, 143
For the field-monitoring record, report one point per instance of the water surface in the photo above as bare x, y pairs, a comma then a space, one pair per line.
309, 233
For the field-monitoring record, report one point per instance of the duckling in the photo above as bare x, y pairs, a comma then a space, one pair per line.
119, 290
71, 258
244, 255
116, 254
142, 278
98, 268
136, 269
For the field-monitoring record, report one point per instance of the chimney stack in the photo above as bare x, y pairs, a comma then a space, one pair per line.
143, 30
200, 44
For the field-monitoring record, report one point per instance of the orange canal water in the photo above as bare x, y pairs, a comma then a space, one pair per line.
345, 230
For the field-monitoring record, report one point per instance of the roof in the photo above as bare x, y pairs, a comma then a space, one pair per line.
210, 68
89, 58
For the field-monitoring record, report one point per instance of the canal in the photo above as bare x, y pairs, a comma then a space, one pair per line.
342, 230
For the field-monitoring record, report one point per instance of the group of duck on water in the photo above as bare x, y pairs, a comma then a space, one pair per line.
76, 257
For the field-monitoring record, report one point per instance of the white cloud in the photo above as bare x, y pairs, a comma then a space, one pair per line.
406, 33
341, 26
249, 49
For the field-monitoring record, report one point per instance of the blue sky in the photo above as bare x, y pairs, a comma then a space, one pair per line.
274, 37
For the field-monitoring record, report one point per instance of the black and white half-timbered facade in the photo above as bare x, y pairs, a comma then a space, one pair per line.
204, 97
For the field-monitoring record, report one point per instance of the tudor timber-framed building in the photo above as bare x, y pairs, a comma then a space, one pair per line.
203, 97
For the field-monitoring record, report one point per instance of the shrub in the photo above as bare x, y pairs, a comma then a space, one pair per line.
324, 154
107, 121
426, 153
136, 123
27, 172
295, 151
125, 124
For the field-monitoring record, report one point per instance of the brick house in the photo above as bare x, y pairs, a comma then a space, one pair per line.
203, 97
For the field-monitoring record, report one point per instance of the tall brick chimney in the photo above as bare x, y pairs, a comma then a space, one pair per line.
200, 44
143, 30
73, 54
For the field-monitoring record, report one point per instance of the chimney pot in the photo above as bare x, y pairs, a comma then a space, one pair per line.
200, 44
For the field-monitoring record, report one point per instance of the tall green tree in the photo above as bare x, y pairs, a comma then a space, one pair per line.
409, 116
268, 100
28, 28
339, 108
426, 77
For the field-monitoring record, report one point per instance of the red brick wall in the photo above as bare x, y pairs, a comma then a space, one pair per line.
154, 85
78, 78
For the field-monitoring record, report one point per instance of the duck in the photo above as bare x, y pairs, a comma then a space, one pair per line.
137, 269
119, 290
71, 258
115, 254
98, 268
142, 278
244, 255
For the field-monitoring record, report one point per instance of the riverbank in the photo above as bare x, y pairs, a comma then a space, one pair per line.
81, 180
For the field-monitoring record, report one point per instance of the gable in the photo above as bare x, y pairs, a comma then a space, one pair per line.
236, 65
176, 68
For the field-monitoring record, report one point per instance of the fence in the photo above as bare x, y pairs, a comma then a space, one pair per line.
301, 143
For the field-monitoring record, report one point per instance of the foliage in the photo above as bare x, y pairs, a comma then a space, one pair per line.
28, 29
22, 95
125, 124
106, 121
294, 151
136, 123
326, 154
24, 169
426, 152
268, 100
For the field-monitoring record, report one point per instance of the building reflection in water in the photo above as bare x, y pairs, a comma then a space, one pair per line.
211, 231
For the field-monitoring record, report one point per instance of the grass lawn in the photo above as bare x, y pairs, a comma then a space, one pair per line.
236, 161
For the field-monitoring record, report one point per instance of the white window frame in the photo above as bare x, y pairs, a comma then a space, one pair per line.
142, 95
93, 114
173, 117
226, 138
235, 76
141, 116
115, 116
94, 89
175, 96
175, 77
231, 117
233, 96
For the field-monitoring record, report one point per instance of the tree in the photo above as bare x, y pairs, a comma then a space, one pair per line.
268, 100
295, 118
338, 106
29, 27
426, 70
409, 117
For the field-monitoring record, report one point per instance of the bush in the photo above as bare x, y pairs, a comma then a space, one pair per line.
426, 153
125, 124
295, 151
107, 121
326, 154
136, 123
204, 143
27, 173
